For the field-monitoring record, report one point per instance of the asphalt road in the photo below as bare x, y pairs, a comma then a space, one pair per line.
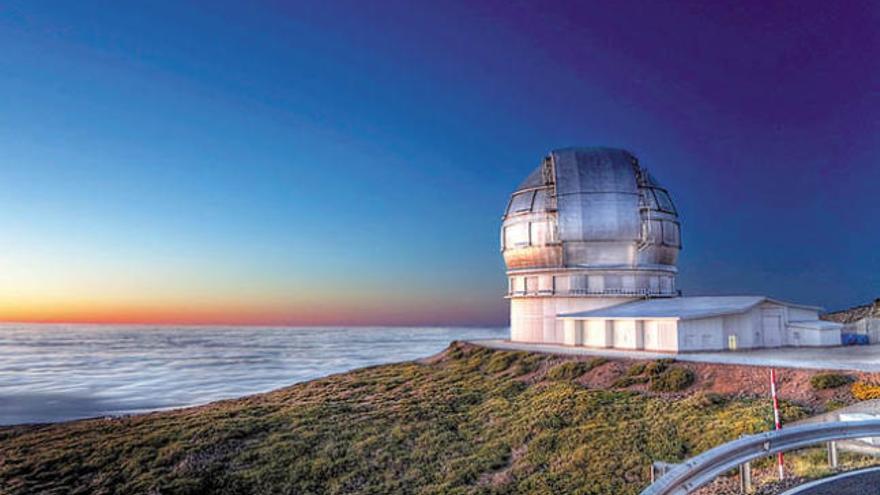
867, 483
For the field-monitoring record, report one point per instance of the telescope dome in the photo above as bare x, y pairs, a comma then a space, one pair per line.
589, 228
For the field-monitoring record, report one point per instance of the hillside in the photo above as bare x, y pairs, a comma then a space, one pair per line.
468, 421
855, 313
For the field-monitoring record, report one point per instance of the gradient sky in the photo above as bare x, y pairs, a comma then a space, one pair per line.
348, 162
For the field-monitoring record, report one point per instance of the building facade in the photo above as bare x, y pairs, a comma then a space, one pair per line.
591, 241
710, 323
589, 228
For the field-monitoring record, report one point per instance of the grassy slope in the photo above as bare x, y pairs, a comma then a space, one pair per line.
477, 421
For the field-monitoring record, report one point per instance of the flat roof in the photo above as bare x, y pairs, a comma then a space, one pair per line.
682, 308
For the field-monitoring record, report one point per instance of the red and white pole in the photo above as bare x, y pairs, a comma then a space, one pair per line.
778, 420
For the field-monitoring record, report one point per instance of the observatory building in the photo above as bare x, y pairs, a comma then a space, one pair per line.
591, 242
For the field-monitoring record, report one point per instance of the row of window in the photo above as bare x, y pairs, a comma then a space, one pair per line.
590, 284
657, 199
536, 200
664, 232
541, 200
541, 233
525, 234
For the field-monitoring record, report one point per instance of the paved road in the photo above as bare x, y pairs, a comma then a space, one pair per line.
857, 358
858, 483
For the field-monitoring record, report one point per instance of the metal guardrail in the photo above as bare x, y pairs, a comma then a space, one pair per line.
700, 470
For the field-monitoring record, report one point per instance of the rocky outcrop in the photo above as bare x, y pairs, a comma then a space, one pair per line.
855, 314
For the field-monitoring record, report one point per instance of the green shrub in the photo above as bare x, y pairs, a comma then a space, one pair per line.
636, 369
570, 370
707, 399
629, 381
824, 381
657, 367
674, 379
597, 361
527, 364
500, 362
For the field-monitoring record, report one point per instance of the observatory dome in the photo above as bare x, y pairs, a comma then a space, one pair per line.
586, 228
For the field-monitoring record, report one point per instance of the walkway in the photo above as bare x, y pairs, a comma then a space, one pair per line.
854, 358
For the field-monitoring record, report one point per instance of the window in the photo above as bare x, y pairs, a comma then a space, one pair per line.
578, 283
542, 200
562, 284
516, 235
521, 202
663, 201
613, 283
648, 199
531, 285
652, 231
541, 233
671, 234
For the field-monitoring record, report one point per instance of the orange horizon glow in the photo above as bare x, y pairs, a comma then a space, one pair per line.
411, 312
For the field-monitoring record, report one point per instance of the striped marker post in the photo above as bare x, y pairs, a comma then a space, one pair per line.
778, 420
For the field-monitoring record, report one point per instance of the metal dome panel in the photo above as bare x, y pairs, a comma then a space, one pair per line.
597, 209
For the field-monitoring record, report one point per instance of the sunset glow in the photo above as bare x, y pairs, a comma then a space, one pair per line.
348, 162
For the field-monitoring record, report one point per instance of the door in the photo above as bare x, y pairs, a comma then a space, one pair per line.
772, 324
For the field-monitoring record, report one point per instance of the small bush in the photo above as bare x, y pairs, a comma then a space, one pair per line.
866, 391
570, 370
596, 362
527, 364
636, 369
708, 399
500, 362
824, 381
656, 368
672, 380
629, 381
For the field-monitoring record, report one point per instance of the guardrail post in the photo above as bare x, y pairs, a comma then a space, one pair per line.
832, 454
745, 478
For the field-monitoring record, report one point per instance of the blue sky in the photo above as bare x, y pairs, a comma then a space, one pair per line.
348, 162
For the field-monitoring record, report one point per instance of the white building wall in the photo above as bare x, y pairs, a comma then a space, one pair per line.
812, 337
628, 334
742, 328
574, 332
802, 314
598, 333
704, 334
766, 325
773, 323
534, 319
661, 335
866, 326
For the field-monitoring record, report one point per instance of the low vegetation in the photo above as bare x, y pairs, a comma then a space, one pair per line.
571, 370
866, 391
661, 376
475, 421
672, 380
825, 381
629, 381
